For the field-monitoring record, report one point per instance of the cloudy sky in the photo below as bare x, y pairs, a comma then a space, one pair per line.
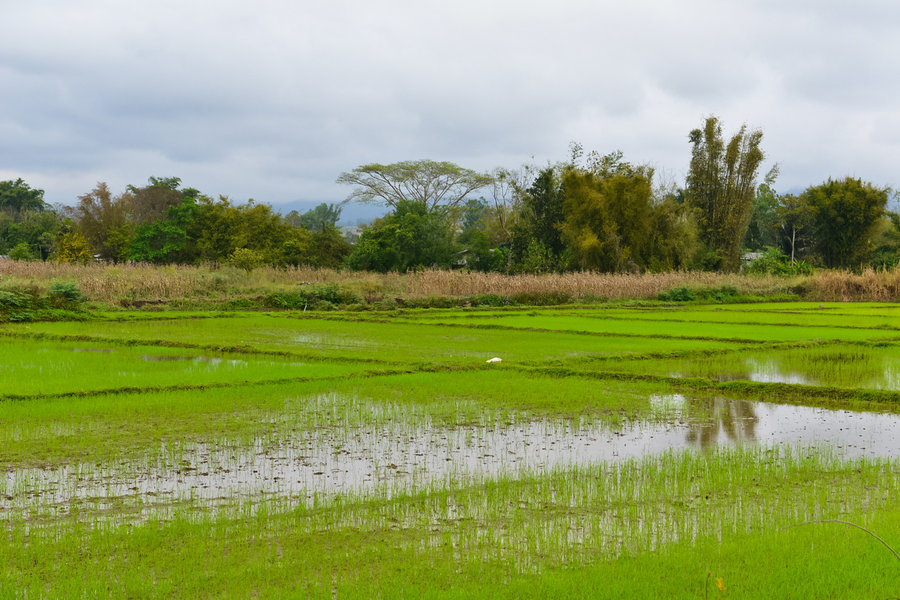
273, 99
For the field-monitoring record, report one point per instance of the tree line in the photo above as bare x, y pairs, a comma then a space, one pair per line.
591, 211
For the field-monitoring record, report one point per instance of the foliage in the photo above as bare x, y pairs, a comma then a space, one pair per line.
607, 220
323, 215
103, 221
38, 229
845, 217
31, 302
74, 248
246, 259
776, 262
150, 203
480, 253
408, 238
887, 242
171, 239
432, 184
316, 296
23, 251
720, 185
673, 236
679, 294
721, 293
536, 244
796, 225
17, 196
762, 230
66, 292
327, 248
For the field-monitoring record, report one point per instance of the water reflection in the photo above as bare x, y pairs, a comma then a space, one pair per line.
769, 371
735, 419
868, 368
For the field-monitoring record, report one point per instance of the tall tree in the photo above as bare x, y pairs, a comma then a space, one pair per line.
846, 214
536, 244
762, 231
720, 185
16, 196
795, 218
435, 185
608, 210
103, 220
150, 202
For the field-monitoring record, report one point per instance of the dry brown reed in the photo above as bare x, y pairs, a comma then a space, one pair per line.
123, 283
583, 284
872, 285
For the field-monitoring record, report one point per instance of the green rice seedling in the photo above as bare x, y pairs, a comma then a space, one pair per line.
390, 342
32, 367
841, 365
735, 332
584, 464
722, 513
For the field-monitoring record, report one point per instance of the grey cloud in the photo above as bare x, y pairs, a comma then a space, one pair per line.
273, 100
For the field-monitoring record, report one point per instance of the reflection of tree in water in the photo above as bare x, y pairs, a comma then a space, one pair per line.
712, 416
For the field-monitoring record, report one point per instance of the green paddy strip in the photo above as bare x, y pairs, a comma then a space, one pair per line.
165, 343
391, 343
723, 332
186, 387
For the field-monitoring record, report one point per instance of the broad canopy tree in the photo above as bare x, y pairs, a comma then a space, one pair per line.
435, 185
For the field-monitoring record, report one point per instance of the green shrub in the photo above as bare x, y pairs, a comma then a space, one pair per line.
23, 251
776, 262
490, 300
13, 300
246, 259
541, 298
324, 296
66, 291
431, 302
720, 293
678, 294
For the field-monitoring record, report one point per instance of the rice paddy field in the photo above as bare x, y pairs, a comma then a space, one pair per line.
614, 451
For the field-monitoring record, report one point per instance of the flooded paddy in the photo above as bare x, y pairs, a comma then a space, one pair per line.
401, 455
137, 455
838, 365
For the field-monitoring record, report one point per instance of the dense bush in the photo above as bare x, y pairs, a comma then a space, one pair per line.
28, 303
720, 293
776, 262
318, 296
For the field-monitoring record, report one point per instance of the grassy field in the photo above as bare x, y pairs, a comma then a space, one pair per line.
655, 450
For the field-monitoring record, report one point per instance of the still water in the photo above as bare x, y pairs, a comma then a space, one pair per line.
395, 456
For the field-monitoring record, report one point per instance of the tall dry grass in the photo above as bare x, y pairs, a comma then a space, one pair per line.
872, 285
584, 284
140, 282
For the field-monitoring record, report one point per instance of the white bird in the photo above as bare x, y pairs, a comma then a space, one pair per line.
496, 359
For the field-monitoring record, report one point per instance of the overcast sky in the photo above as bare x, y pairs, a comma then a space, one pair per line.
273, 99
